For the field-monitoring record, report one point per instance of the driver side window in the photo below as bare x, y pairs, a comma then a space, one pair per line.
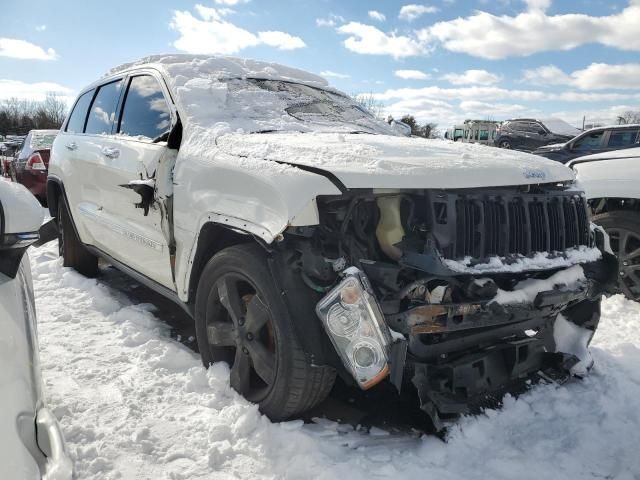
145, 112
592, 141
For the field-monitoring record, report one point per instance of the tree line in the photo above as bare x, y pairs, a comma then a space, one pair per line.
18, 116
377, 108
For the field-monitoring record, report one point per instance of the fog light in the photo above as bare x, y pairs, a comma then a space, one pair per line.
355, 324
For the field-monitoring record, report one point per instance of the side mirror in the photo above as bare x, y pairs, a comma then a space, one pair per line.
21, 217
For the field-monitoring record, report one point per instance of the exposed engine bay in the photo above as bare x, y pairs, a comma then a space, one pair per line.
438, 327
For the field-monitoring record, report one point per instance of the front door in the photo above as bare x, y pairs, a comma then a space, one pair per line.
136, 154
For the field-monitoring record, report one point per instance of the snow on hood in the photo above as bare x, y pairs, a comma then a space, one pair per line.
560, 127
382, 161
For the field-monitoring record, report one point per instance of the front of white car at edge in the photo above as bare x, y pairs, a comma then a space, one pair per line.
31, 442
308, 239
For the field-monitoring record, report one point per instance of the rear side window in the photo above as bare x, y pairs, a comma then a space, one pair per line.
519, 126
103, 109
622, 138
79, 114
484, 134
145, 112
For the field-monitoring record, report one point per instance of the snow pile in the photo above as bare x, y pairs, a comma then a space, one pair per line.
135, 404
539, 261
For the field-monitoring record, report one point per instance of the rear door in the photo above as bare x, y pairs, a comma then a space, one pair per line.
92, 165
137, 234
622, 138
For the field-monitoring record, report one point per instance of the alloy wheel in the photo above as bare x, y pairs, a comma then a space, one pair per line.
626, 246
240, 331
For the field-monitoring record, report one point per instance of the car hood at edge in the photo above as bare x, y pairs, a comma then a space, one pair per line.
380, 161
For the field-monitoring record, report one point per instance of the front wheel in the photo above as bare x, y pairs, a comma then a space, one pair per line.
623, 227
242, 320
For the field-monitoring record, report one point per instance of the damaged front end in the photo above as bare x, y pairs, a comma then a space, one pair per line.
462, 295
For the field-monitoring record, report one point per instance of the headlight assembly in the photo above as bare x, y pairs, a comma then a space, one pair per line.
354, 322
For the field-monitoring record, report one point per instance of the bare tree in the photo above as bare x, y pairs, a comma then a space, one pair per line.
18, 116
369, 102
630, 116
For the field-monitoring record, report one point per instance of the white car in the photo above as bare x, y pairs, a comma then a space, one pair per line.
306, 238
611, 181
31, 443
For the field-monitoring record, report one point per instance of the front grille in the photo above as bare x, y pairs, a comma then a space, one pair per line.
483, 225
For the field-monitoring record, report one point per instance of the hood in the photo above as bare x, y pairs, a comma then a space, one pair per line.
632, 152
554, 147
381, 161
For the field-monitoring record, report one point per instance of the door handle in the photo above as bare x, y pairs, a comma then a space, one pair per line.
72, 146
111, 152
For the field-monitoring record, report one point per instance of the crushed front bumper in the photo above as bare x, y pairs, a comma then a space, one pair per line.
464, 356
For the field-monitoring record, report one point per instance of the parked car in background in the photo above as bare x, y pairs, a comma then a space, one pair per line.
307, 239
31, 443
596, 140
32, 161
611, 181
529, 134
480, 131
455, 133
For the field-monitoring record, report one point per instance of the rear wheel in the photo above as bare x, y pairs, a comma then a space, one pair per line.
623, 227
72, 251
242, 320
505, 144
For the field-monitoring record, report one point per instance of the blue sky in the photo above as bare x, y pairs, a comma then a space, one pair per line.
441, 60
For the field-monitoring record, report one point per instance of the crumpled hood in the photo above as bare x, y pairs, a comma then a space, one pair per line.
380, 161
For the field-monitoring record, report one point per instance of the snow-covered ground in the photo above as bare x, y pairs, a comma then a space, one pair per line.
135, 404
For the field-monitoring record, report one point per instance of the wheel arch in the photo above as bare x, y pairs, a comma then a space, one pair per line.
212, 238
55, 189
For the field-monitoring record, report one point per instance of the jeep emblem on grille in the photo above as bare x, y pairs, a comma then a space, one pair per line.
534, 173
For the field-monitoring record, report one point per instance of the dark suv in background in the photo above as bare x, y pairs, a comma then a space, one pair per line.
529, 134
596, 140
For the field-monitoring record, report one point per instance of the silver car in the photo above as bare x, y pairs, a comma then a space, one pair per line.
31, 443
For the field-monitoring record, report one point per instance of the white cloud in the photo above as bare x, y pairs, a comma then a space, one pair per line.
413, 11
330, 74
411, 74
368, 40
494, 37
486, 92
596, 76
33, 91
331, 21
281, 40
14, 48
472, 77
376, 15
41, 28
230, 3
212, 33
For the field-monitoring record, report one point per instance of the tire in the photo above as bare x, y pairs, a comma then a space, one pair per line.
623, 227
268, 365
70, 248
505, 144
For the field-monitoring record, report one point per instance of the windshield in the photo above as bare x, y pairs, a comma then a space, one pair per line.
42, 141
281, 105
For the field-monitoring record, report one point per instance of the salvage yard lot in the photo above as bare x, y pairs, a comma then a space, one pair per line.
135, 403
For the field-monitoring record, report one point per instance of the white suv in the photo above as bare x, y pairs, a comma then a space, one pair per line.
306, 238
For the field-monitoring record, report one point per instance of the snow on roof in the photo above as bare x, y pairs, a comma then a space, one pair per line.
221, 67
560, 127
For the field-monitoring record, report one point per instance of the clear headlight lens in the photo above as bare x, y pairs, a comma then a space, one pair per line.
352, 318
